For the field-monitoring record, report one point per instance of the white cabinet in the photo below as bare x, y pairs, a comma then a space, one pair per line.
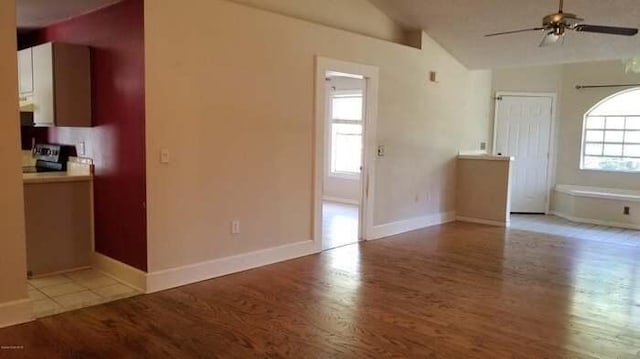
61, 85
25, 72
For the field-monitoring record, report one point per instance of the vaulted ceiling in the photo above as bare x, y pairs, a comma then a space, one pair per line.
39, 13
459, 26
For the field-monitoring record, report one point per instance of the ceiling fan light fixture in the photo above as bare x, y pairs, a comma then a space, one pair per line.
552, 38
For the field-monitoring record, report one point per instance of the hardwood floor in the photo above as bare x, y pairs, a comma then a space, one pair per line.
453, 291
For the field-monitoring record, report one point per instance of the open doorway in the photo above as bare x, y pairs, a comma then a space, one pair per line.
341, 194
346, 104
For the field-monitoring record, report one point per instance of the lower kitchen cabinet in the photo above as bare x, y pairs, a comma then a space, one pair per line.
59, 226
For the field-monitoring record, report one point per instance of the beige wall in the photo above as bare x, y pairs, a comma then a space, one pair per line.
13, 284
571, 107
575, 103
529, 79
359, 16
230, 93
483, 189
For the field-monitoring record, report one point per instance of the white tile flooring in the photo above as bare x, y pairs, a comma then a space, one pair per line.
74, 290
559, 226
339, 224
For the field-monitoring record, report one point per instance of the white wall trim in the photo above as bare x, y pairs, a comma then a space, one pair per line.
15, 312
120, 271
595, 221
341, 200
482, 221
552, 158
391, 229
179, 276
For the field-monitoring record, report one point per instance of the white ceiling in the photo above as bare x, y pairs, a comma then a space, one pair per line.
459, 26
40, 13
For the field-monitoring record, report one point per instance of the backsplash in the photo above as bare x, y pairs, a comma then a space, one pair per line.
27, 158
40, 134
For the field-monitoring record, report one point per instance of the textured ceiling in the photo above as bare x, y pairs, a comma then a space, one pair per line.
40, 13
459, 26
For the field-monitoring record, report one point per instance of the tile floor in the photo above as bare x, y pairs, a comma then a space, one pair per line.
560, 226
339, 224
83, 288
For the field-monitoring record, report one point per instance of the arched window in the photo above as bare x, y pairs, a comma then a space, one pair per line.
611, 134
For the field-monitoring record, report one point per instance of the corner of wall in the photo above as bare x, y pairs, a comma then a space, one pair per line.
15, 312
14, 303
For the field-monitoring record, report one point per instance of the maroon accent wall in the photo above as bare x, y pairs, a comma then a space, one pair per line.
117, 140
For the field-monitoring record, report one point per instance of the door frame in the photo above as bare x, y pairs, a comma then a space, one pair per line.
367, 179
551, 154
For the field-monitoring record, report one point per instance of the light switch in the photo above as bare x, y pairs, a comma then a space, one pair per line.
81, 149
164, 156
380, 150
235, 226
433, 76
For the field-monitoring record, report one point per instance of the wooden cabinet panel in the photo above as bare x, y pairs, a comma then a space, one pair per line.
72, 85
59, 226
61, 85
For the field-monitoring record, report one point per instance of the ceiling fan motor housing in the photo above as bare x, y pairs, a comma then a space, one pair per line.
560, 20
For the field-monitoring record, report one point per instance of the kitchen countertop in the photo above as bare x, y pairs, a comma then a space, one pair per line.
54, 177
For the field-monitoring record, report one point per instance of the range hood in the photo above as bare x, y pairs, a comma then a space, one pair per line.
26, 111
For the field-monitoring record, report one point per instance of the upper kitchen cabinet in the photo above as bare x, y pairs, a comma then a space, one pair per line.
25, 72
61, 85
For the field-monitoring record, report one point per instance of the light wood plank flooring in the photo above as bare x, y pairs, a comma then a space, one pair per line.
452, 291
339, 224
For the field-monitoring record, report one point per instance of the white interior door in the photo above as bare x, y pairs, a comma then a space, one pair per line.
523, 130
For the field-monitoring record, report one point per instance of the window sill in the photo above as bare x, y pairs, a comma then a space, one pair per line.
609, 171
347, 176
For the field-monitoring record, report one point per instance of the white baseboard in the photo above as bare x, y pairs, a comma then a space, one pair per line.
341, 200
596, 221
391, 229
179, 276
15, 312
121, 271
482, 221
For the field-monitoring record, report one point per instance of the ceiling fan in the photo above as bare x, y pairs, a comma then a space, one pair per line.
556, 25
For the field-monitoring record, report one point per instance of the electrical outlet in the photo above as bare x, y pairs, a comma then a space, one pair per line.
380, 150
626, 211
235, 227
483, 146
82, 151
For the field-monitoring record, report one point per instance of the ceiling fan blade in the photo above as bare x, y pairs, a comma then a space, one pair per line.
610, 30
551, 39
514, 31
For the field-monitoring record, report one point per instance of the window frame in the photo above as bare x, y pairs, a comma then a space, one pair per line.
344, 93
624, 130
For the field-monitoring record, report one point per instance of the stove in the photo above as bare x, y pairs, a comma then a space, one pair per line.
50, 158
